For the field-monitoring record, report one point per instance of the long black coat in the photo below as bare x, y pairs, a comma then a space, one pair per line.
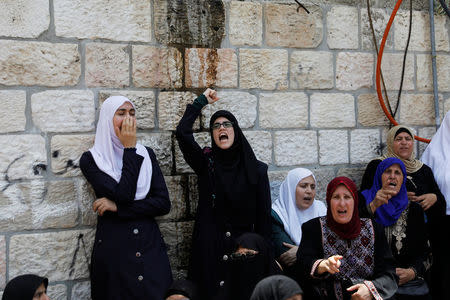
215, 233
129, 258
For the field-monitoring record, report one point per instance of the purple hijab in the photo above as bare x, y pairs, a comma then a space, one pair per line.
387, 214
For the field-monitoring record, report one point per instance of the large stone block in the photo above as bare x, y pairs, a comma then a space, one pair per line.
63, 110
379, 19
57, 292
333, 147
203, 139
177, 236
265, 69
27, 163
323, 177
189, 22
428, 133
86, 196
332, 110
81, 290
424, 72
210, 67
417, 109
241, 104
370, 112
342, 24
245, 27
62, 255
177, 186
38, 63
193, 194
391, 66
354, 174
420, 37
107, 65
311, 69
295, 147
66, 153
283, 110
287, 27
171, 107
275, 179
144, 102
354, 70
261, 143
161, 144
119, 20
157, 67
364, 145
26, 19
2, 262
15, 102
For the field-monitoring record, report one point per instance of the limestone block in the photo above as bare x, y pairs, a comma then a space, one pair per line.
379, 18
39, 63
424, 72
342, 24
333, 147
428, 133
203, 139
86, 196
56, 255
323, 177
391, 66
311, 69
245, 27
177, 236
15, 101
241, 104
354, 70
283, 110
370, 112
275, 179
189, 22
26, 19
2, 262
57, 292
193, 194
261, 143
446, 106
22, 157
295, 147
176, 186
417, 109
81, 290
443, 72
420, 37
354, 174
332, 110
266, 69
66, 153
63, 110
157, 67
119, 20
107, 65
364, 145
144, 102
210, 67
287, 27
161, 144
171, 107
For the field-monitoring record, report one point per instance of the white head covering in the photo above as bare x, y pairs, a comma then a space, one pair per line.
108, 150
286, 208
437, 157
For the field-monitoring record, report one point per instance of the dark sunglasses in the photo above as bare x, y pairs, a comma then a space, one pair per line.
226, 124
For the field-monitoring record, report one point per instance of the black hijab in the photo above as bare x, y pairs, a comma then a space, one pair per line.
276, 287
23, 287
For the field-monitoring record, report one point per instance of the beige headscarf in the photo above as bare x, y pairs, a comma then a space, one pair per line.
411, 164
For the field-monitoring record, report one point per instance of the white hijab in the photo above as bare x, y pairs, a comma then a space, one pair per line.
437, 157
286, 208
108, 150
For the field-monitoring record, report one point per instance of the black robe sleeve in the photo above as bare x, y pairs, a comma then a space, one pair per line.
426, 183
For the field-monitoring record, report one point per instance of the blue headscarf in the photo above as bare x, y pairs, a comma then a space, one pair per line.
387, 214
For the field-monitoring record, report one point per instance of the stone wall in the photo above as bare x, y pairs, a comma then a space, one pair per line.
301, 86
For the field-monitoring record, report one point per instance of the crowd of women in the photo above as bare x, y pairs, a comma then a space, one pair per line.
386, 240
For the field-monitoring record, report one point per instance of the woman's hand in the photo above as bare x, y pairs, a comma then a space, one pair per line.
361, 292
330, 265
211, 95
289, 257
382, 197
405, 275
104, 204
127, 134
244, 251
425, 200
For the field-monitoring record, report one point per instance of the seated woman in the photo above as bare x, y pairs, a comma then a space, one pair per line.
231, 239
277, 287
295, 206
26, 287
404, 223
342, 256
422, 189
129, 258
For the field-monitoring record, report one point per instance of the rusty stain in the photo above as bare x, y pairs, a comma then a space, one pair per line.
212, 61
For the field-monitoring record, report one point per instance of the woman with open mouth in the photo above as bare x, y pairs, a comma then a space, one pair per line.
343, 256
387, 202
296, 205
